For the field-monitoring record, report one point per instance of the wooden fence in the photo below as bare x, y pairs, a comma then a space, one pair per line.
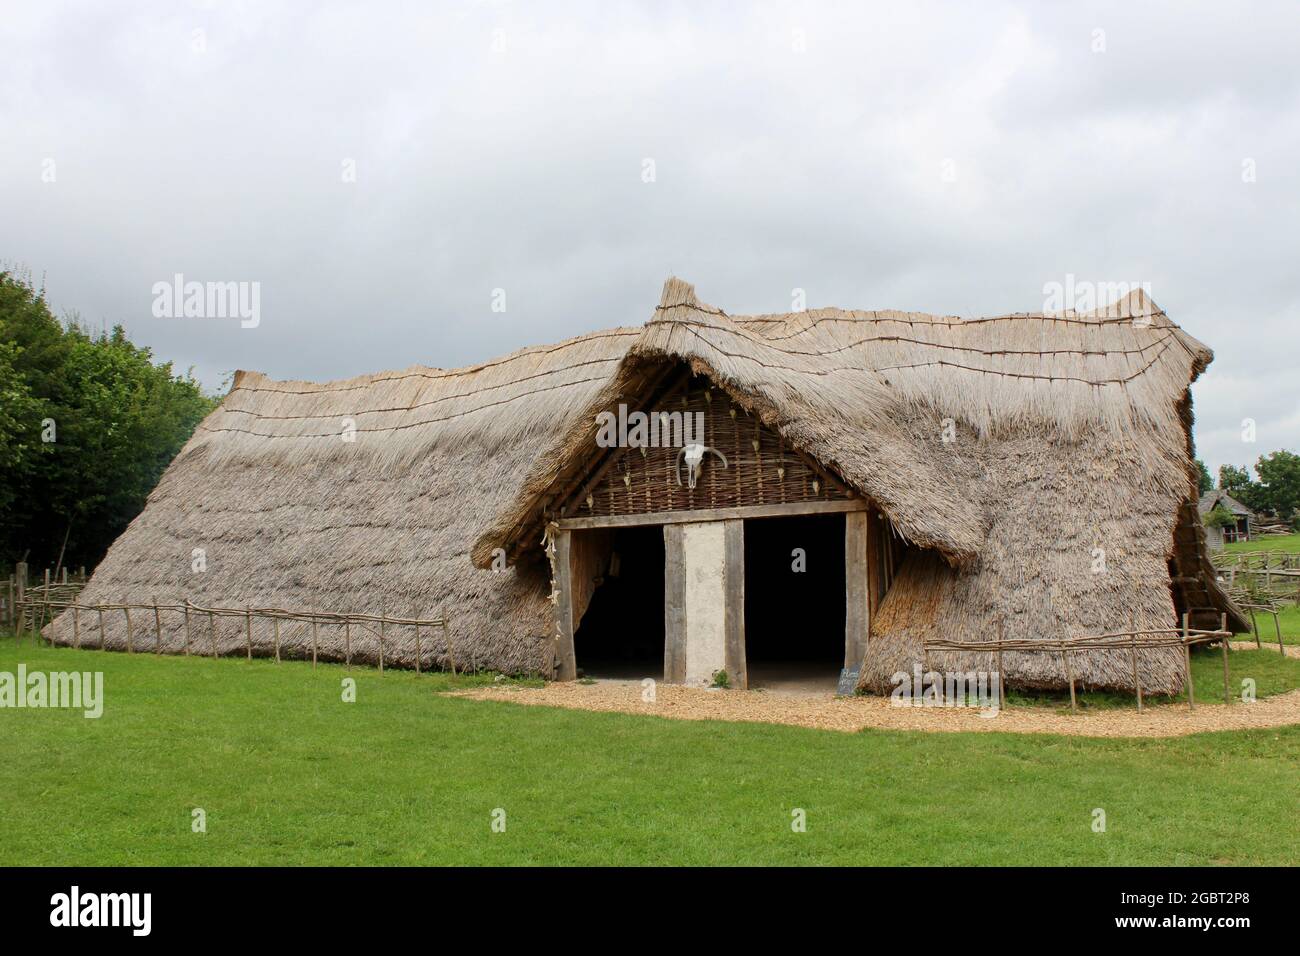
19, 592
1257, 560
1131, 640
41, 611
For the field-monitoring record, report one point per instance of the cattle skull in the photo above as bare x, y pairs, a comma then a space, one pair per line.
694, 455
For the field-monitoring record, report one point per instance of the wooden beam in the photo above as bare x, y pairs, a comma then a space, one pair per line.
674, 605
875, 525
566, 665
734, 610
713, 514
857, 607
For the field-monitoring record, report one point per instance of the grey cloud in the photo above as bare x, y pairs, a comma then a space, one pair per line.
519, 167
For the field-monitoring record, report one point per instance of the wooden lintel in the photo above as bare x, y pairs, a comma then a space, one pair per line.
713, 514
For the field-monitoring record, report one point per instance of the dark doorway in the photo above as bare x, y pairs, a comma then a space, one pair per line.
621, 635
794, 601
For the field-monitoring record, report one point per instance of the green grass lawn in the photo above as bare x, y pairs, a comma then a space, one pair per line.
287, 773
1281, 542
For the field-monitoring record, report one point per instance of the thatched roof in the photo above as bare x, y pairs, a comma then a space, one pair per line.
1217, 496
292, 516
1071, 439
1071, 435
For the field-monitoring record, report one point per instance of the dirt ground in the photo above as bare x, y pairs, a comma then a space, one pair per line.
849, 714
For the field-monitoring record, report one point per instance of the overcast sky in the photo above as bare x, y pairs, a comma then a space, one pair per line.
380, 169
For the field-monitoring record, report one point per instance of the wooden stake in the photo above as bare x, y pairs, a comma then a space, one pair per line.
1277, 628
1069, 672
383, 621
212, 636
1223, 642
187, 627
1254, 626
417, 648
101, 628
313, 643
76, 627
275, 626
1187, 667
157, 626
130, 648
248, 631
451, 645
347, 637
20, 576
1133, 655
1002, 675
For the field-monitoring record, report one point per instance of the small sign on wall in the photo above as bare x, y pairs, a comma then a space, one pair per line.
848, 685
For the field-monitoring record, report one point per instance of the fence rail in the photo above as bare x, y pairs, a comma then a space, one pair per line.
1132, 640
44, 610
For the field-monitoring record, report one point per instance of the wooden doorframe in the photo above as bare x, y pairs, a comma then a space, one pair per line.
860, 545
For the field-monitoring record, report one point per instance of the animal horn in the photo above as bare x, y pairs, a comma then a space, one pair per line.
678, 467
720, 455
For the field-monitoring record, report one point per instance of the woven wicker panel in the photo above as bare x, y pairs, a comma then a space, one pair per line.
761, 468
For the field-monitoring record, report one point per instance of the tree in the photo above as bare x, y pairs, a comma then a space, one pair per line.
1238, 483
87, 426
1279, 483
1220, 517
1205, 481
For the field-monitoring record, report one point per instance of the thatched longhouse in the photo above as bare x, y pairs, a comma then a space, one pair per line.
874, 480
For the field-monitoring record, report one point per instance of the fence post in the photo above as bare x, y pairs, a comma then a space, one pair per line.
1133, 656
130, 645
275, 627
101, 626
1187, 667
1069, 673
417, 648
1223, 642
347, 637
212, 635
1002, 677
248, 630
76, 625
313, 643
383, 622
451, 646
20, 572
157, 627
187, 627
1277, 629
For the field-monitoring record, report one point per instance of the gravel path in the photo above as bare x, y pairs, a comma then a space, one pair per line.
854, 713
1292, 650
